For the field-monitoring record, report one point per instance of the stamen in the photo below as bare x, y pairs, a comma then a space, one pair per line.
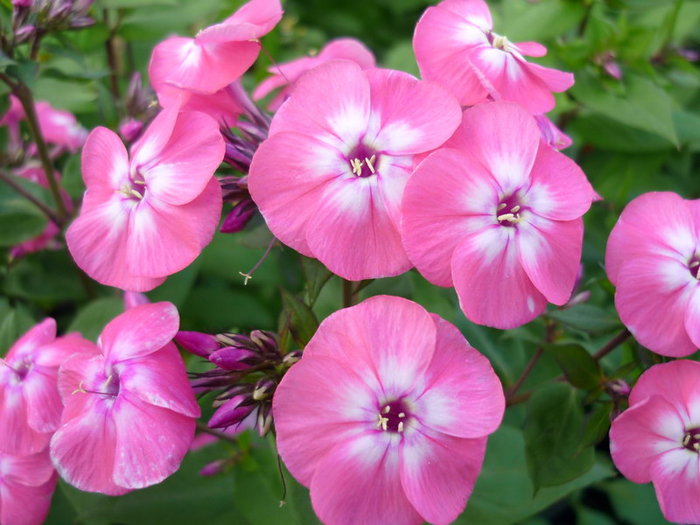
507, 217
370, 162
400, 427
686, 440
402, 415
694, 264
382, 422
501, 206
356, 165
387, 409
515, 209
140, 182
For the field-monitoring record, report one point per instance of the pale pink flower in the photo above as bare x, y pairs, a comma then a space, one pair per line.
330, 177
653, 258
456, 47
148, 214
496, 213
27, 483
30, 405
285, 74
224, 105
657, 438
130, 412
386, 416
218, 55
60, 127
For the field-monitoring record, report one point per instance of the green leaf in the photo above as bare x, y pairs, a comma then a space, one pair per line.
297, 322
93, 317
316, 276
597, 424
553, 435
587, 318
642, 105
634, 503
401, 57
20, 220
5, 61
579, 367
504, 493
69, 95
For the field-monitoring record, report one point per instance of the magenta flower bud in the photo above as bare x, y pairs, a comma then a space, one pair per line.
212, 469
231, 412
232, 358
619, 387
130, 129
24, 33
264, 340
22, 3
238, 217
612, 68
198, 343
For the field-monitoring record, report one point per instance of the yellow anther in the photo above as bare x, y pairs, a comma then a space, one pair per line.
387, 409
356, 165
515, 209
400, 427
382, 422
79, 389
370, 162
402, 415
501, 206
247, 277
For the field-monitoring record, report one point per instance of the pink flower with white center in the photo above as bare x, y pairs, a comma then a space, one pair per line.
284, 75
27, 483
657, 438
496, 213
653, 258
386, 416
218, 55
148, 214
60, 127
456, 47
330, 177
129, 415
30, 405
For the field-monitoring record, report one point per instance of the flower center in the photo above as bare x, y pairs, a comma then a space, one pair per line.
363, 161
109, 388
508, 211
691, 439
21, 369
392, 416
135, 189
499, 42
694, 266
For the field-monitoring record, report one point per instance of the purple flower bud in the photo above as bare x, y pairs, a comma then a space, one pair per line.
265, 340
292, 357
22, 3
232, 358
264, 420
619, 387
198, 343
213, 468
612, 68
24, 33
130, 129
231, 412
238, 217
264, 389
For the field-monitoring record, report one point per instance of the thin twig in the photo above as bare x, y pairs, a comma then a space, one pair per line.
612, 344
8, 179
112, 59
349, 293
202, 427
526, 372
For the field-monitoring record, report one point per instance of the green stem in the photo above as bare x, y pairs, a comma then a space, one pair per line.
8, 179
612, 344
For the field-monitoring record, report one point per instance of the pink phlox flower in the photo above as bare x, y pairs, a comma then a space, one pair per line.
285, 74
496, 213
224, 105
551, 134
130, 412
148, 214
27, 483
330, 177
386, 416
455, 46
657, 438
218, 55
30, 405
60, 127
653, 258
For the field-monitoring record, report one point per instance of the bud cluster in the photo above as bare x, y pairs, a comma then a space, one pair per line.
248, 370
32, 18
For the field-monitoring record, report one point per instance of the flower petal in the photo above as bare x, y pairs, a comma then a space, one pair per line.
104, 161
34, 338
463, 397
438, 473
676, 477
139, 331
643, 432
16, 435
492, 286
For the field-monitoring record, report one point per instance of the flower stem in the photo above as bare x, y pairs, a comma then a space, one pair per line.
202, 427
8, 179
349, 293
510, 395
612, 344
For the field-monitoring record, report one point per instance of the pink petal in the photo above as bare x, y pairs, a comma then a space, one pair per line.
319, 403
24, 501
55, 353
491, 284
654, 223
74, 376
438, 473
28, 344
139, 331
358, 482
32, 470
16, 436
692, 317
676, 477
559, 190
97, 241
44, 404
160, 379
179, 172
150, 442
394, 342
442, 43
677, 382
555, 80
155, 139
287, 178
533, 49
164, 239
350, 49
83, 449
399, 125
463, 397
104, 161
641, 433
262, 13
504, 138
331, 103
201, 67
652, 298
445, 189
550, 252
353, 233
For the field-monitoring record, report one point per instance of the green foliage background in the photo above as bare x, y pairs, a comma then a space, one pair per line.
549, 461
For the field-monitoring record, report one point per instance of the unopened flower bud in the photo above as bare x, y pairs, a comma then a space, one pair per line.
264, 420
264, 389
233, 358
130, 129
238, 217
291, 358
24, 33
198, 343
22, 3
265, 340
213, 468
619, 387
233, 411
